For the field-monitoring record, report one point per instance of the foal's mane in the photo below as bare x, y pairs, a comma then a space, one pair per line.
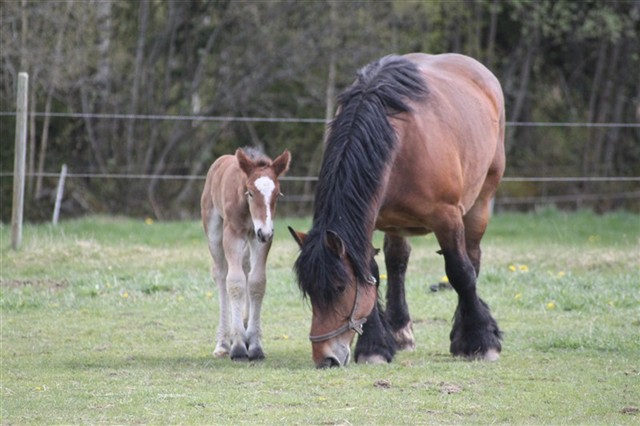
357, 153
258, 156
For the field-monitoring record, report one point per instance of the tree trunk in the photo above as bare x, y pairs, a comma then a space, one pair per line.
53, 81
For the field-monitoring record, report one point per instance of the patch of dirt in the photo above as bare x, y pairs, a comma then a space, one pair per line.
52, 285
630, 410
450, 388
382, 384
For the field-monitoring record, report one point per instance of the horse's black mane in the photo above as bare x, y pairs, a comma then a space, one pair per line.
359, 147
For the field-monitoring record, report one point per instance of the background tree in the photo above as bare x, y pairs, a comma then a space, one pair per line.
557, 60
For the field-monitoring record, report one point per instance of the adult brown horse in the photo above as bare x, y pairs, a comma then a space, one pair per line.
417, 146
238, 205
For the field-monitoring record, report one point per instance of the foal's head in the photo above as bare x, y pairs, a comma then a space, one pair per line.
262, 188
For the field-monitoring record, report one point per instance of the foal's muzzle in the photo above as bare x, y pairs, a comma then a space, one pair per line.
264, 237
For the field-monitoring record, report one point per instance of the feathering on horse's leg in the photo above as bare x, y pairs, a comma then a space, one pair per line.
475, 333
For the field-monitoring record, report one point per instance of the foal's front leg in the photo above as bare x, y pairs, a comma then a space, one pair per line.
256, 285
234, 246
396, 257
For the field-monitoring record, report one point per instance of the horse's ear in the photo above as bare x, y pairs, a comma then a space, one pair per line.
298, 236
335, 243
246, 165
281, 163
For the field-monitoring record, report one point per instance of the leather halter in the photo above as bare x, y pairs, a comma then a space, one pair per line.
352, 324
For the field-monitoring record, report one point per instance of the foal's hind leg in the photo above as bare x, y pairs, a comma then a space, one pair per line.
219, 274
396, 256
475, 333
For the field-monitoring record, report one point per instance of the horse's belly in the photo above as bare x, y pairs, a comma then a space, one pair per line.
403, 222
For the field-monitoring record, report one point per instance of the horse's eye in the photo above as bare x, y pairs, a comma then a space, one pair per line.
280, 194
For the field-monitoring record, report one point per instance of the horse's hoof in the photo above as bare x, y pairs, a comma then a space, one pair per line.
371, 359
404, 338
491, 355
256, 354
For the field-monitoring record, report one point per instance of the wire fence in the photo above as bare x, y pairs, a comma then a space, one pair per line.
308, 198
285, 119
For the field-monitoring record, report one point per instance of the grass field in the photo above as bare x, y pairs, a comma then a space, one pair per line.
112, 320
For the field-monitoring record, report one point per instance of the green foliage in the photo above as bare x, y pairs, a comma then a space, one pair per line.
557, 61
112, 320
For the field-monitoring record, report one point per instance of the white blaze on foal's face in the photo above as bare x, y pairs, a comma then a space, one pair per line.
264, 230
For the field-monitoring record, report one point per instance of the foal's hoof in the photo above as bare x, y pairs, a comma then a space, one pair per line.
256, 354
371, 359
239, 353
404, 338
221, 350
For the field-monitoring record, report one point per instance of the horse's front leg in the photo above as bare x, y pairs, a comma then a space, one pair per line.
475, 333
396, 257
256, 286
234, 246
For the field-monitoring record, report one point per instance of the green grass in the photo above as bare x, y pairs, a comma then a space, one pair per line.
111, 320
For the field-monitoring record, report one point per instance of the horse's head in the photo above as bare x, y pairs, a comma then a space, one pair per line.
263, 189
340, 302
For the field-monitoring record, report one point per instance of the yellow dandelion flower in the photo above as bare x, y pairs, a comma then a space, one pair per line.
125, 295
523, 268
285, 337
518, 296
513, 268
209, 294
551, 305
383, 276
148, 221
444, 279
561, 274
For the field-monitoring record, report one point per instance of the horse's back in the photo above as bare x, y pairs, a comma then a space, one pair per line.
216, 188
449, 144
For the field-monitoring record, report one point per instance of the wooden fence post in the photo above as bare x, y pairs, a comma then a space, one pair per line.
17, 210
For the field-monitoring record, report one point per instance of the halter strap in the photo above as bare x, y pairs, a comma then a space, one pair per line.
352, 324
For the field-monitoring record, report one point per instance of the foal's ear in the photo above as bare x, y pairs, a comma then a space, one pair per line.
298, 236
335, 243
246, 165
281, 164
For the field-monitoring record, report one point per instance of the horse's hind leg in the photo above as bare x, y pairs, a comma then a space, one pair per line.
475, 333
396, 256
